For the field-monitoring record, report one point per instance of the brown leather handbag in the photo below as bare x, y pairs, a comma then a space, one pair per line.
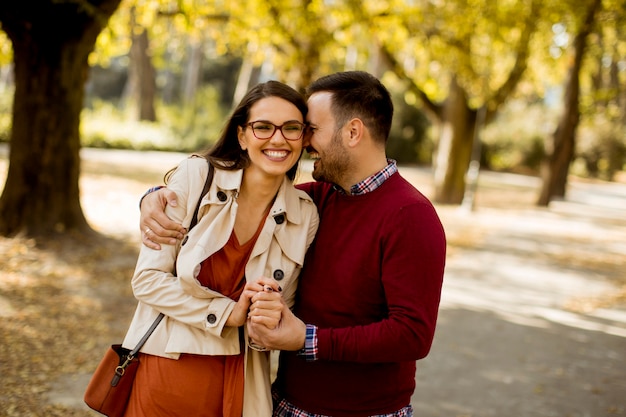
109, 388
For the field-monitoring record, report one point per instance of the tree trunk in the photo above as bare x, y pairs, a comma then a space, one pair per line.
141, 86
147, 82
555, 167
193, 73
455, 147
41, 193
248, 76
309, 58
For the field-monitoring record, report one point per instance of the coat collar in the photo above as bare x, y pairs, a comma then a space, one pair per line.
287, 200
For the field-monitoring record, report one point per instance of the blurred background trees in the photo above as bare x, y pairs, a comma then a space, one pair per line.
535, 87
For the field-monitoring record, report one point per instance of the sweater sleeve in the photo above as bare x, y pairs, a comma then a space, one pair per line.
412, 257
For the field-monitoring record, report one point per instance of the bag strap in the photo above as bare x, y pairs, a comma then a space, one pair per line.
146, 336
194, 221
205, 189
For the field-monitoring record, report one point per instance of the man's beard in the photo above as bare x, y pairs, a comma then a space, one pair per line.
334, 162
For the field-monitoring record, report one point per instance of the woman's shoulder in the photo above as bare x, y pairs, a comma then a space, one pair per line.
195, 162
191, 163
188, 173
194, 165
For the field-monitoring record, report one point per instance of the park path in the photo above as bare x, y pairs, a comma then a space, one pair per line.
530, 324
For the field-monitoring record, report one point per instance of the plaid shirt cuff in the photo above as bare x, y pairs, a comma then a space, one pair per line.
151, 190
309, 352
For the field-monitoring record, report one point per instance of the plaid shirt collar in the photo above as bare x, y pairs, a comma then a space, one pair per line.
369, 184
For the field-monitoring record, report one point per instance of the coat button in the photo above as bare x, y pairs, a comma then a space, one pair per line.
184, 240
279, 274
211, 318
280, 219
221, 195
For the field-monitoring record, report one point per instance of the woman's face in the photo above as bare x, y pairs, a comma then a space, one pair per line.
275, 155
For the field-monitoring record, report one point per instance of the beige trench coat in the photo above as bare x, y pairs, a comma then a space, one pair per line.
195, 315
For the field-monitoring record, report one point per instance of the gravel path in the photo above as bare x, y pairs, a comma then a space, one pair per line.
532, 322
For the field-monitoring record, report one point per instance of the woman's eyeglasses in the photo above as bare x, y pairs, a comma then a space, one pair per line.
265, 130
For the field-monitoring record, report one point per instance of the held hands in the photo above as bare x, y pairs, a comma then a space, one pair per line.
155, 226
272, 324
267, 305
240, 314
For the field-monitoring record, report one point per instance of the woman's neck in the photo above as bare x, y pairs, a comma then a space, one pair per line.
257, 189
256, 196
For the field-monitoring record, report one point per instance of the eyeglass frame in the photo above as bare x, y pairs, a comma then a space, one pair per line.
276, 127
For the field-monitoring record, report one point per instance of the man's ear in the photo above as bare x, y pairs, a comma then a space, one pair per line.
356, 130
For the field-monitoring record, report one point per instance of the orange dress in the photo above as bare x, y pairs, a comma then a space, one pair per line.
198, 385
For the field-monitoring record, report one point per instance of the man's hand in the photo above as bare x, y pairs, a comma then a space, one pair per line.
290, 333
155, 226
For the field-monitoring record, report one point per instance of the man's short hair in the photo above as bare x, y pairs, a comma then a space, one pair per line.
358, 94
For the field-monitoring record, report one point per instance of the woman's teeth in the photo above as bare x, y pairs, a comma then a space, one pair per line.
276, 154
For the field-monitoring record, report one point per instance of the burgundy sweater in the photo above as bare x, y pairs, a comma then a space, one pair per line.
371, 283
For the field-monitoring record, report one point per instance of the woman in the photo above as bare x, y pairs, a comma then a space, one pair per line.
252, 223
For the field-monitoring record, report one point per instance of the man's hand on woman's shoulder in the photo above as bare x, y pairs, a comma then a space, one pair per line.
156, 228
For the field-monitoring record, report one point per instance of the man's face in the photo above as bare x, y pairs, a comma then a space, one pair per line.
326, 148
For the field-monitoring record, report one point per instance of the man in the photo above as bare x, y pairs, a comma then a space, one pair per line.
369, 291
